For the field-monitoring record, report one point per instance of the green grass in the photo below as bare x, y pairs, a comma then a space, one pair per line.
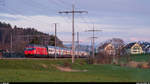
141, 57
137, 58
32, 71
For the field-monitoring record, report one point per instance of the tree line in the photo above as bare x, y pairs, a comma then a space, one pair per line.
20, 37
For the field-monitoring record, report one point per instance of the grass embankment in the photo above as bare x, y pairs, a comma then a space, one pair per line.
141, 57
28, 70
137, 58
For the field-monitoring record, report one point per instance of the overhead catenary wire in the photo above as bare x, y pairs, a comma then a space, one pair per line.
65, 4
31, 20
93, 41
89, 21
15, 11
66, 19
40, 7
82, 20
73, 13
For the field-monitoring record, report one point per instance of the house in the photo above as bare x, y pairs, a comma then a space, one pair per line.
148, 50
134, 48
114, 46
110, 49
107, 48
146, 47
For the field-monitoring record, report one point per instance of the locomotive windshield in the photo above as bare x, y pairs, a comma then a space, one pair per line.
29, 48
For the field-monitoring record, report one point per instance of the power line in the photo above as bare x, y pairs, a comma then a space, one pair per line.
73, 12
55, 38
11, 38
44, 39
67, 18
87, 20
63, 3
78, 42
84, 21
93, 40
66, 5
14, 12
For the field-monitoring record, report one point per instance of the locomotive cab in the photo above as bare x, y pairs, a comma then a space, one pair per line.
35, 51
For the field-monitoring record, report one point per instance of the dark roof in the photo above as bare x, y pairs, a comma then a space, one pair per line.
103, 46
130, 45
142, 44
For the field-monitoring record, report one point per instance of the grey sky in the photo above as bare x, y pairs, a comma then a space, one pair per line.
126, 19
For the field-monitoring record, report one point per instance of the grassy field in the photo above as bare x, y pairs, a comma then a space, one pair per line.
137, 58
141, 57
28, 70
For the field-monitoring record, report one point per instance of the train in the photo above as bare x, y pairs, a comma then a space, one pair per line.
38, 51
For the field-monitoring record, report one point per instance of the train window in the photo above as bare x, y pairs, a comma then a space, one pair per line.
51, 50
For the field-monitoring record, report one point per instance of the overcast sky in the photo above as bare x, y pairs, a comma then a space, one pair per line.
126, 19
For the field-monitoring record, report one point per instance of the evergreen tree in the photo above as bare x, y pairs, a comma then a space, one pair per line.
35, 41
52, 41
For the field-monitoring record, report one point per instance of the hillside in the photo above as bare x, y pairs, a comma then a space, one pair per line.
22, 37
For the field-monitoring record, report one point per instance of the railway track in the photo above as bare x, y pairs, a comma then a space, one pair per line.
37, 58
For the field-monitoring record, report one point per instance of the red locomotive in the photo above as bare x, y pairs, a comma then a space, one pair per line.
35, 51
49, 51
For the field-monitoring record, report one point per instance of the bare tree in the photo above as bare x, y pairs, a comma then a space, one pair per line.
111, 51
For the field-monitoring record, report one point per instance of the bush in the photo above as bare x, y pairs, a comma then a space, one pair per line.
67, 64
102, 58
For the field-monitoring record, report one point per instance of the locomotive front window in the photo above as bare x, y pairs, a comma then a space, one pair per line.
30, 49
